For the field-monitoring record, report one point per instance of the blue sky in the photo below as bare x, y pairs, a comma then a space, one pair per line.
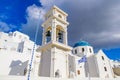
95, 21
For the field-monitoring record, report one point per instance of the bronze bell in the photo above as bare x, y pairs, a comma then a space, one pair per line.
48, 34
60, 35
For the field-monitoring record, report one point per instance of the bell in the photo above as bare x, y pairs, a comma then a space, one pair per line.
48, 34
60, 35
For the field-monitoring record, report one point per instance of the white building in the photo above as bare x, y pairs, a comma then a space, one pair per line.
15, 53
54, 58
57, 60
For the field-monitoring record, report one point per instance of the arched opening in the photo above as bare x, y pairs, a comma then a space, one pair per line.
60, 34
57, 73
83, 49
90, 50
59, 16
48, 34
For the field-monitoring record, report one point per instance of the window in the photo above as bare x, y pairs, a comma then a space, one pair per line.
25, 71
48, 35
105, 68
5, 40
57, 73
75, 51
78, 72
90, 50
83, 49
102, 58
19, 50
59, 16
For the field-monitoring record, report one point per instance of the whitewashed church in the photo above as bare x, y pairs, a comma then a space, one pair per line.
54, 58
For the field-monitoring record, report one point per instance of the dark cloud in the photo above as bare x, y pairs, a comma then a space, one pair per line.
96, 22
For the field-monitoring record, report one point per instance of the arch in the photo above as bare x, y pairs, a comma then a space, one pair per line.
48, 34
59, 16
48, 28
59, 27
60, 32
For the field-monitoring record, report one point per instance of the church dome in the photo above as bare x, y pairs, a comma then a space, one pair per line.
81, 43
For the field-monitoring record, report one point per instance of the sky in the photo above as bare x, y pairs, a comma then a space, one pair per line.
94, 21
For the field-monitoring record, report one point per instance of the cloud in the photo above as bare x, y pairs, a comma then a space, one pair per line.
94, 21
4, 27
35, 12
50, 3
35, 16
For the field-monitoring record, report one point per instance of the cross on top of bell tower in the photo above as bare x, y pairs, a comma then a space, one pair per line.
55, 26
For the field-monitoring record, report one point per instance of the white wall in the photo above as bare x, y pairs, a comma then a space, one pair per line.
93, 69
80, 67
13, 63
61, 62
45, 63
104, 63
46, 78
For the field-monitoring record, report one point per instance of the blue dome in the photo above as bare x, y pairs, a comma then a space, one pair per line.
81, 43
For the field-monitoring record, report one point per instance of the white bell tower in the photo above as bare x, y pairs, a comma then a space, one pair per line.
54, 49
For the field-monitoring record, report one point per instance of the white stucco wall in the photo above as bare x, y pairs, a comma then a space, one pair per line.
61, 62
104, 63
92, 65
81, 67
45, 63
13, 63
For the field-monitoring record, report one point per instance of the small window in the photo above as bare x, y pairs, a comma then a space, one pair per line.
78, 72
102, 58
90, 50
25, 71
105, 68
83, 49
59, 16
19, 50
5, 40
75, 51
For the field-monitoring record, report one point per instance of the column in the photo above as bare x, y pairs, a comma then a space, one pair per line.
65, 36
53, 30
43, 37
52, 62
